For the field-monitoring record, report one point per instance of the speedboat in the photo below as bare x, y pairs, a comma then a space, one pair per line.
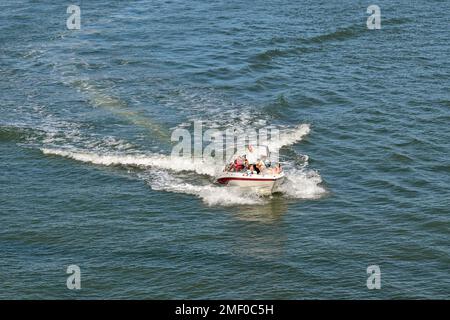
266, 181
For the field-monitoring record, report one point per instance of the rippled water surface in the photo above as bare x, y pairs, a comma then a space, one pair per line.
86, 176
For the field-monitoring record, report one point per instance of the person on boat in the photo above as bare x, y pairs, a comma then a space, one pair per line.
277, 169
246, 164
239, 164
260, 166
251, 155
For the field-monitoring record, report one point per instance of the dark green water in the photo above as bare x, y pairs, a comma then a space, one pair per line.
85, 124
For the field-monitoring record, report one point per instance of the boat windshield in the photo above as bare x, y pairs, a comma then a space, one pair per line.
261, 151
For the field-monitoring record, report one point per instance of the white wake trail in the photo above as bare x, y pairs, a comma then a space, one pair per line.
302, 184
162, 172
137, 160
211, 195
290, 136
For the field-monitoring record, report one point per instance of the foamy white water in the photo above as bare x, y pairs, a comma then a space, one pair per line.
137, 160
210, 194
303, 184
290, 136
161, 172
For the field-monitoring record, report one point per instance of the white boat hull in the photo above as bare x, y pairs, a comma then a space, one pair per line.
259, 183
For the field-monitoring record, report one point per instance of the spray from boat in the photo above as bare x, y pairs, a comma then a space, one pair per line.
163, 172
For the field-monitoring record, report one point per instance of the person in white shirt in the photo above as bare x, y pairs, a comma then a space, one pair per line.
251, 155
